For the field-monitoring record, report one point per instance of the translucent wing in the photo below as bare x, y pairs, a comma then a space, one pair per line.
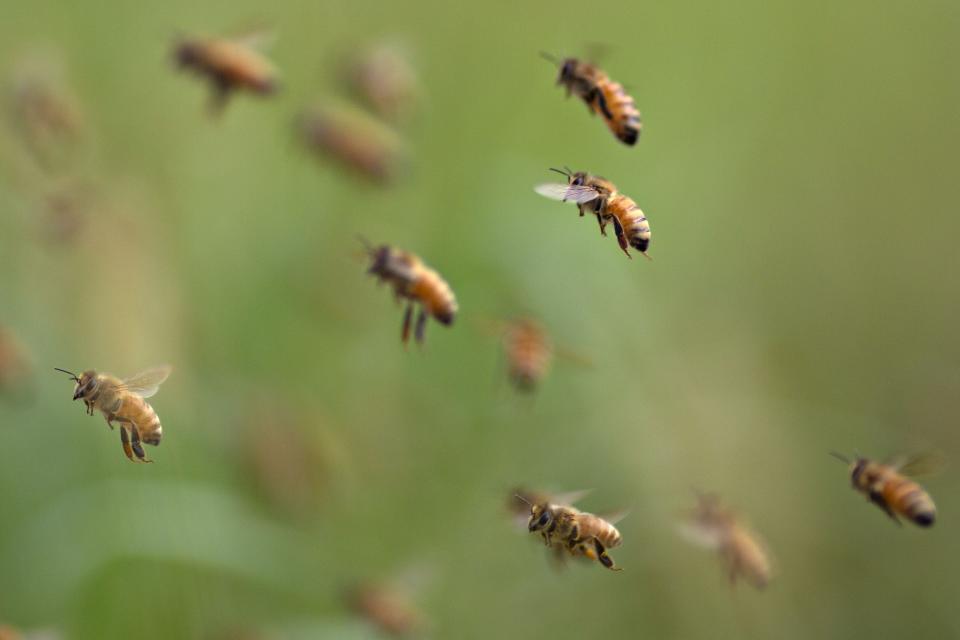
567, 193
616, 516
701, 535
146, 383
922, 464
570, 498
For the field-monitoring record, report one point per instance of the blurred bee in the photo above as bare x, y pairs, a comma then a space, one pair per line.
579, 532
600, 197
383, 78
387, 607
601, 95
529, 353
358, 142
741, 550
230, 64
124, 401
418, 283
887, 486
14, 364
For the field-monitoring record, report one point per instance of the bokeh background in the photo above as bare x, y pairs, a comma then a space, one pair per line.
798, 166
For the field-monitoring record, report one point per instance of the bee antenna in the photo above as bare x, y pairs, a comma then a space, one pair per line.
69, 373
841, 457
549, 58
522, 499
566, 173
367, 245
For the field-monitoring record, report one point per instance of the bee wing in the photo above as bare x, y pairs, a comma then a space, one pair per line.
616, 516
256, 36
146, 383
574, 357
571, 497
566, 192
709, 537
921, 464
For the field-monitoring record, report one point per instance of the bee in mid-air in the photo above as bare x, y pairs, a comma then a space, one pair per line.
743, 553
230, 64
579, 532
383, 77
388, 607
15, 365
601, 95
125, 402
418, 283
888, 486
600, 197
529, 353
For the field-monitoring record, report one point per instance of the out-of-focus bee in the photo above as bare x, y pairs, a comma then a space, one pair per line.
418, 283
124, 401
529, 353
45, 111
601, 95
355, 140
383, 78
600, 196
386, 606
741, 550
230, 64
14, 364
887, 485
579, 532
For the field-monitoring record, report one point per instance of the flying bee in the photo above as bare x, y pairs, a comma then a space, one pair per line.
600, 197
579, 532
601, 95
887, 485
383, 78
125, 402
387, 607
529, 353
230, 64
15, 365
741, 550
418, 283
358, 142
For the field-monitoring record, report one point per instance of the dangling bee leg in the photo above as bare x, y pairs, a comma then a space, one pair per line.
621, 237
110, 418
877, 498
602, 556
407, 318
220, 93
421, 325
125, 441
137, 447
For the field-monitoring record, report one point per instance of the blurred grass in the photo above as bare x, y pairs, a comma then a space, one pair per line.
797, 168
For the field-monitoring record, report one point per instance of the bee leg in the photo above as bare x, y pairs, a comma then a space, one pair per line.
421, 326
110, 419
602, 556
621, 237
125, 440
603, 225
602, 103
877, 498
219, 95
137, 447
407, 317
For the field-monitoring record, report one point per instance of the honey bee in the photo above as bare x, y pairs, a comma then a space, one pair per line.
579, 532
529, 353
418, 283
600, 197
360, 143
887, 486
383, 78
230, 64
741, 550
387, 607
125, 402
601, 95
15, 367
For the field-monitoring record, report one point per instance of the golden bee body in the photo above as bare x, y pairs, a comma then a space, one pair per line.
357, 142
602, 96
386, 607
124, 401
412, 280
891, 490
741, 550
230, 65
601, 197
529, 353
579, 532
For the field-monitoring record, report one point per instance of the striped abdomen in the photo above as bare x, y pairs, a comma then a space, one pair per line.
136, 410
529, 355
592, 526
635, 226
908, 499
619, 111
434, 294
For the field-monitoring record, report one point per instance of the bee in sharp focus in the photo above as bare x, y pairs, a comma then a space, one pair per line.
742, 551
230, 64
358, 142
601, 95
600, 197
887, 485
125, 402
579, 532
418, 283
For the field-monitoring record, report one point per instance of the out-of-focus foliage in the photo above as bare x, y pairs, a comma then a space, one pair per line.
798, 168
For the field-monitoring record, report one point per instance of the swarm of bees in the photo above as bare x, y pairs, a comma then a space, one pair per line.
741, 550
125, 402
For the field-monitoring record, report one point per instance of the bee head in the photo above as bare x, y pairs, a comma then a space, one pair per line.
567, 69
856, 466
541, 515
379, 256
85, 383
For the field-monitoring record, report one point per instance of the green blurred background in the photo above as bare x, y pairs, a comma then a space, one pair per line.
798, 165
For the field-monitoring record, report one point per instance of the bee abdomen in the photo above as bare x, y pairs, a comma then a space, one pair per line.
915, 504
